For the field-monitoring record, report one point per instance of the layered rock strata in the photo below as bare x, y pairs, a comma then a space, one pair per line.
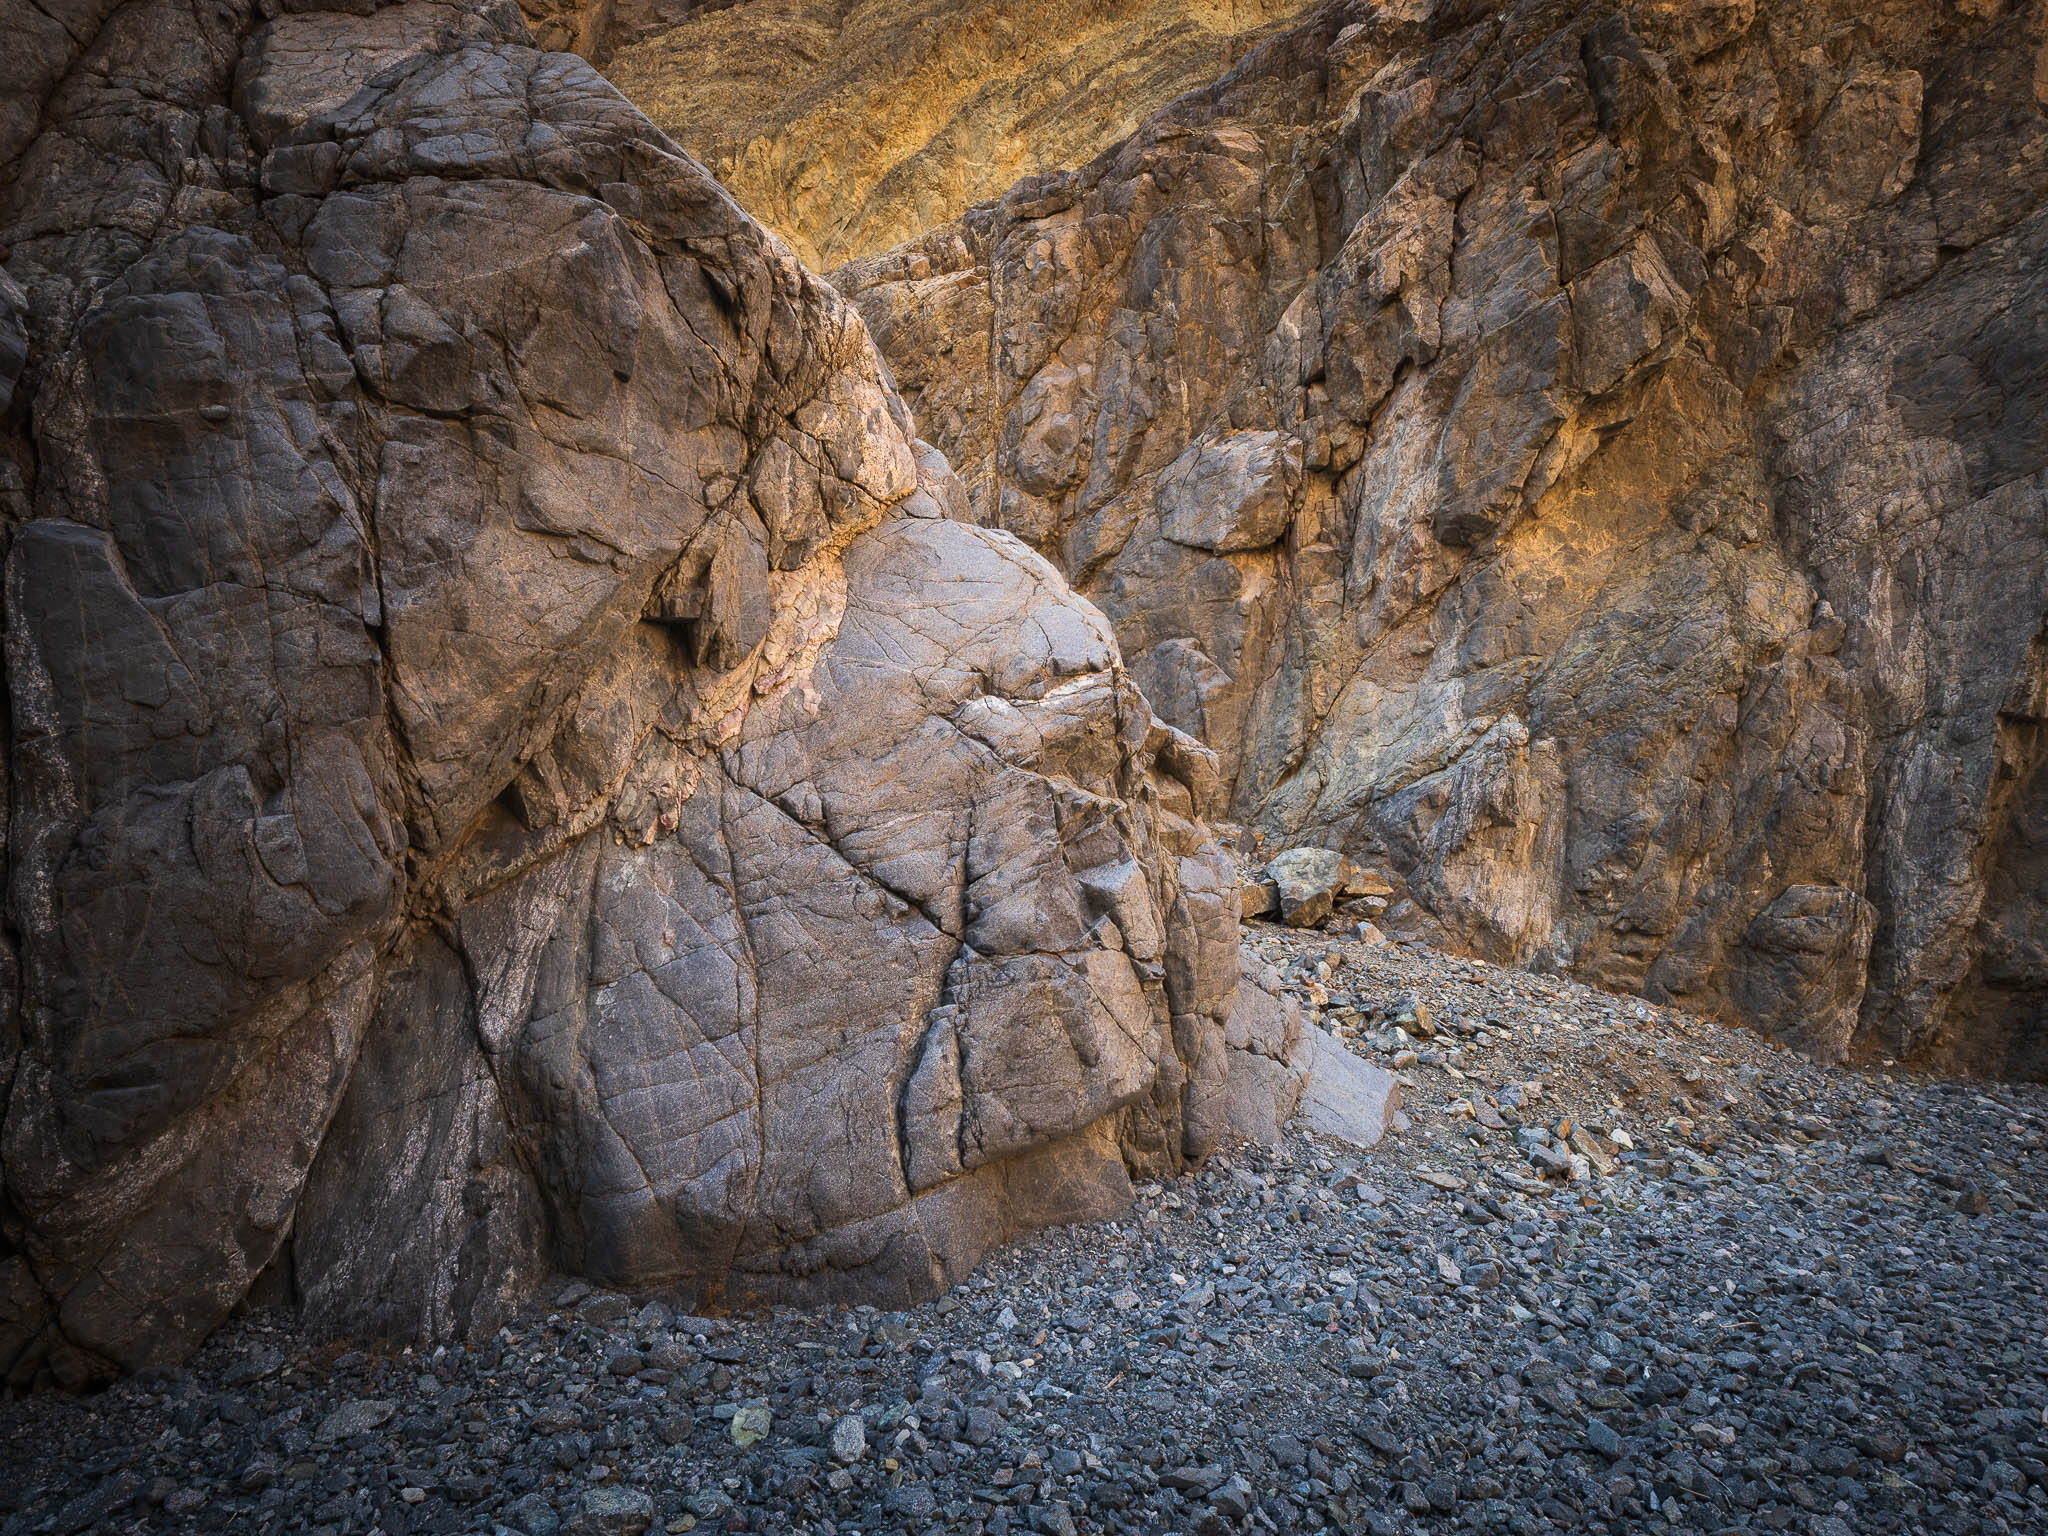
847, 127
508, 764
598, 29
1584, 458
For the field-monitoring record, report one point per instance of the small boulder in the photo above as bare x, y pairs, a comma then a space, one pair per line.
356, 1418
1308, 881
610, 1511
1602, 1437
751, 1423
1589, 1147
1233, 1500
849, 1439
1368, 884
252, 1367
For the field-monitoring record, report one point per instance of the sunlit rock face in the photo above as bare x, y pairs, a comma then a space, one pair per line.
1584, 459
846, 128
509, 765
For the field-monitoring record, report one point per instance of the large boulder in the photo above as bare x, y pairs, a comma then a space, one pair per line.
1583, 459
508, 765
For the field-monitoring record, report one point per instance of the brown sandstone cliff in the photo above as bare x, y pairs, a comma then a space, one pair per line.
1587, 458
507, 765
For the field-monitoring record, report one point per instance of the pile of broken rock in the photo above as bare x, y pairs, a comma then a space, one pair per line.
1305, 887
1799, 1303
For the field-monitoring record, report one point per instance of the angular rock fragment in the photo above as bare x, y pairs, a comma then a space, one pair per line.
610, 1511
849, 1441
1308, 881
1281, 1066
1346, 1097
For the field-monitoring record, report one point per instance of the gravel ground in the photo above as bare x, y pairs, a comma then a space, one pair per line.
1782, 1298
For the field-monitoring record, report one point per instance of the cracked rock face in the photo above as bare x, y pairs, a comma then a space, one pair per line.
1584, 459
509, 764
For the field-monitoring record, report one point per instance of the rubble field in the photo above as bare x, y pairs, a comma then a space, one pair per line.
1619, 1269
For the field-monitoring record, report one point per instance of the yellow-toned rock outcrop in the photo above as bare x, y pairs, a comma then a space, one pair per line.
847, 128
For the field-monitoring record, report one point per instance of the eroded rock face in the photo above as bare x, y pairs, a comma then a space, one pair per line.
1585, 459
849, 125
509, 766
598, 29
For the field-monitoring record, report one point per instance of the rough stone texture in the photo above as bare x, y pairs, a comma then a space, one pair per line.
508, 766
1583, 458
1265, 1033
1343, 1096
1281, 1065
598, 29
1359, 1322
848, 125
1307, 882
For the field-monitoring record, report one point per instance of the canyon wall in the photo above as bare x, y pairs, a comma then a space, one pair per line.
598, 29
1586, 459
508, 764
850, 126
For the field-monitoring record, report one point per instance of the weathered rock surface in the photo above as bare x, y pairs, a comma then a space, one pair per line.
847, 127
1308, 883
508, 767
1585, 459
1344, 1096
1263, 1038
1281, 1066
598, 29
